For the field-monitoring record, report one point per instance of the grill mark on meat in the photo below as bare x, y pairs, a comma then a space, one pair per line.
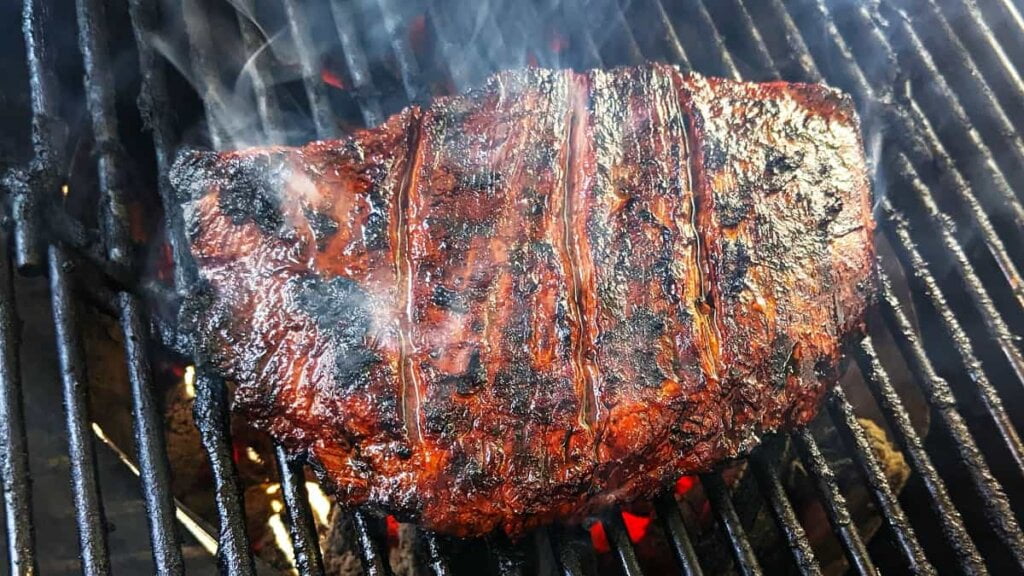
409, 391
705, 320
584, 380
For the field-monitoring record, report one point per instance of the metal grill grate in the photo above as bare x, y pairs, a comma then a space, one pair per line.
942, 81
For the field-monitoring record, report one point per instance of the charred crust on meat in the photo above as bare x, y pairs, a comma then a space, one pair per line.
469, 474
777, 163
483, 181
250, 190
190, 174
733, 266
715, 154
732, 209
448, 299
342, 309
469, 381
323, 225
783, 360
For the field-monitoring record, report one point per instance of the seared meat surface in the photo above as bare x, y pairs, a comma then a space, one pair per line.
554, 293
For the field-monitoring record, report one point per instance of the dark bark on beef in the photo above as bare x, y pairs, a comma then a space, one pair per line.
551, 295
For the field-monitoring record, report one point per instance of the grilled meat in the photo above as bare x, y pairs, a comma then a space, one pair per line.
554, 293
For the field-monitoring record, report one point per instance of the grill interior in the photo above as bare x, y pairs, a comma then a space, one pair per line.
938, 86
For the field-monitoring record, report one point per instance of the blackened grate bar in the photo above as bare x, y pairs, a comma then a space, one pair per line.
785, 516
854, 435
672, 522
305, 543
210, 412
92, 530
14, 469
834, 502
721, 503
147, 420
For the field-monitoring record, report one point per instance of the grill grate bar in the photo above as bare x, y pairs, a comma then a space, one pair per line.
14, 467
89, 517
785, 518
373, 558
210, 413
572, 552
783, 40
742, 38
944, 175
968, 143
510, 558
895, 414
618, 539
355, 60
316, 91
259, 73
212, 91
667, 510
301, 528
854, 436
155, 109
438, 557
667, 35
30, 187
147, 420
993, 322
834, 502
1004, 20
981, 45
408, 67
729, 520
940, 397
970, 82
923, 282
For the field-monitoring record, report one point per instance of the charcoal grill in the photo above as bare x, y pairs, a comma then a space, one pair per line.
938, 85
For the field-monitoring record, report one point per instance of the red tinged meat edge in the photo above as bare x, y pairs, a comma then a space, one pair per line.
555, 293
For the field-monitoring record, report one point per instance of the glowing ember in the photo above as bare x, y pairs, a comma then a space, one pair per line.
684, 484
557, 43
165, 263
418, 31
332, 79
392, 524
190, 381
276, 524
65, 190
636, 527
319, 502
